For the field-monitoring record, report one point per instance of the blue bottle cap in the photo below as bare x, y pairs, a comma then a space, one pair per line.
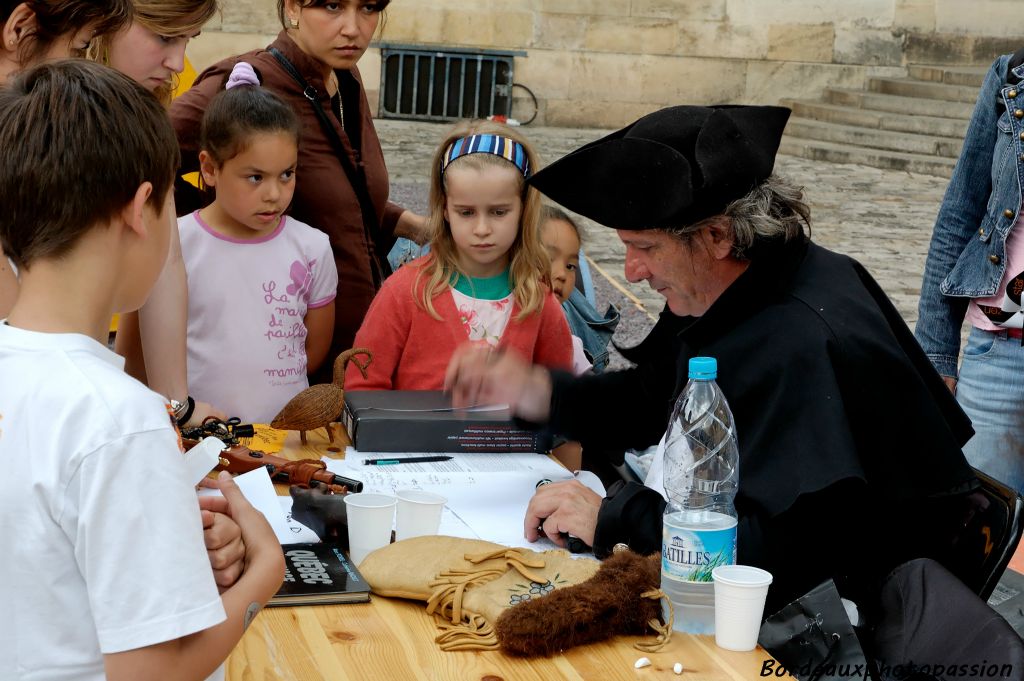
704, 368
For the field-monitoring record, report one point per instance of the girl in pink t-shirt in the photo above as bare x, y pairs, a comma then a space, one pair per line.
261, 285
485, 279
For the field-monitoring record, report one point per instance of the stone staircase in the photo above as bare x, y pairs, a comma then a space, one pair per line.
914, 124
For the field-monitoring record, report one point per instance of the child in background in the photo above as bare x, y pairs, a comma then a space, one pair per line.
104, 562
484, 278
561, 238
591, 332
261, 285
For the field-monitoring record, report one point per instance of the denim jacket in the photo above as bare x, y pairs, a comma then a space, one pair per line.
594, 330
966, 257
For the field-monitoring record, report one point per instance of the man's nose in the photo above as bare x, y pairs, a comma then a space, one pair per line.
635, 270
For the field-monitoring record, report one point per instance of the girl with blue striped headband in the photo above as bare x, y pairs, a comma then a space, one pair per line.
485, 279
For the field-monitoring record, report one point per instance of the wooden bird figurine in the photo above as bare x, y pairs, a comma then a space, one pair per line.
320, 405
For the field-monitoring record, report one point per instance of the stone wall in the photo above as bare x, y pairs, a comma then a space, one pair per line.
604, 62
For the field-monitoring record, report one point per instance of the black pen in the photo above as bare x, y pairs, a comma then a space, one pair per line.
420, 459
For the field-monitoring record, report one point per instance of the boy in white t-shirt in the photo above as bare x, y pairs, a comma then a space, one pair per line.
104, 571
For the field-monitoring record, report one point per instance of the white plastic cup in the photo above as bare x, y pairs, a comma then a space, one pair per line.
740, 592
419, 513
370, 517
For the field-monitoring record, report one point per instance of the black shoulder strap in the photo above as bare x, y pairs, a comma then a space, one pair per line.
1016, 60
378, 263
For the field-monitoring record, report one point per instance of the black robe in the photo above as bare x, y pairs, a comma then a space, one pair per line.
849, 441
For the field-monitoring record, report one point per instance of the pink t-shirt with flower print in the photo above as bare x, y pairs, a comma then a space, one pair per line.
247, 300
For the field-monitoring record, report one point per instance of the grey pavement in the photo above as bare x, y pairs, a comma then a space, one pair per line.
883, 218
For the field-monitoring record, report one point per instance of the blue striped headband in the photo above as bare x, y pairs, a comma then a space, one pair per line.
508, 149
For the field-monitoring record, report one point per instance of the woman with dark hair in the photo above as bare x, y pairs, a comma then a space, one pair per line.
35, 31
343, 183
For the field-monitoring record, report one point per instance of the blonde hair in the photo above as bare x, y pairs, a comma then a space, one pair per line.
165, 18
529, 266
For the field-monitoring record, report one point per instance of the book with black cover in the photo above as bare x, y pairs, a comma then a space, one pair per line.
425, 421
319, 574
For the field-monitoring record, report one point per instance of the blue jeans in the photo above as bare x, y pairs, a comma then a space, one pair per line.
991, 391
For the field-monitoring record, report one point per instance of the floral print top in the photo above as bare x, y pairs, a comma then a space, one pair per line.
484, 305
483, 320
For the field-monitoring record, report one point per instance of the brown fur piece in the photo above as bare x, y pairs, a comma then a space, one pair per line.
606, 605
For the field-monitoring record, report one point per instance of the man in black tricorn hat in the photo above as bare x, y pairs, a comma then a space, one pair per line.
849, 442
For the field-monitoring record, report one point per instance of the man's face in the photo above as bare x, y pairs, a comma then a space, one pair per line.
684, 273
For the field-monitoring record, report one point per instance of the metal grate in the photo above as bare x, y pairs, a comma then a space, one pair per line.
424, 83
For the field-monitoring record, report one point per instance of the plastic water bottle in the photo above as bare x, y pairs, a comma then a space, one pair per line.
700, 478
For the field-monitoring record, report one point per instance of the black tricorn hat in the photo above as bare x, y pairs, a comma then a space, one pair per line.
671, 168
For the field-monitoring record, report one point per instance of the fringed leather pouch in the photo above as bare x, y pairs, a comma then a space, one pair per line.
470, 585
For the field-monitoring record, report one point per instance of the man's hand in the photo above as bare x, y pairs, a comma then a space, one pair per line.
950, 383
562, 507
223, 538
479, 375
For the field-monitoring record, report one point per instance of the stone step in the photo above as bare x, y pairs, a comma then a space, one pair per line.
878, 158
896, 104
921, 89
905, 142
972, 76
881, 120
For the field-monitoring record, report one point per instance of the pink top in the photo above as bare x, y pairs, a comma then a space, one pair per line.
247, 302
1004, 309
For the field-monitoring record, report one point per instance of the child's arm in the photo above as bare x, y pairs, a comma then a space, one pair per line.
384, 331
162, 328
163, 324
319, 323
197, 655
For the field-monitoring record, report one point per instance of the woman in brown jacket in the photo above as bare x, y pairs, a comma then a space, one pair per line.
341, 181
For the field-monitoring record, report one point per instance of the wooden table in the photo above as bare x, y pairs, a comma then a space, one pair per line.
393, 639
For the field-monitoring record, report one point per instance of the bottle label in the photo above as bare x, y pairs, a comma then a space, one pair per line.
690, 551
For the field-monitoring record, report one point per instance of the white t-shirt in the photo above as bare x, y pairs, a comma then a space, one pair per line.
247, 301
100, 534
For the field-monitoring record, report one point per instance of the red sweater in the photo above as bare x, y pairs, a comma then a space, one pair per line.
411, 349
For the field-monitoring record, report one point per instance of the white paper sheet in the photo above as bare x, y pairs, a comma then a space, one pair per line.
259, 490
487, 493
520, 461
203, 458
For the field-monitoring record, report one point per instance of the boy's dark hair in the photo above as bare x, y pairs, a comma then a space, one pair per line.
234, 115
55, 19
78, 139
381, 5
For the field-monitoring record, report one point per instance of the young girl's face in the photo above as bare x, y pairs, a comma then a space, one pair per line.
149, 59
254, 187
483, 208
563, 247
